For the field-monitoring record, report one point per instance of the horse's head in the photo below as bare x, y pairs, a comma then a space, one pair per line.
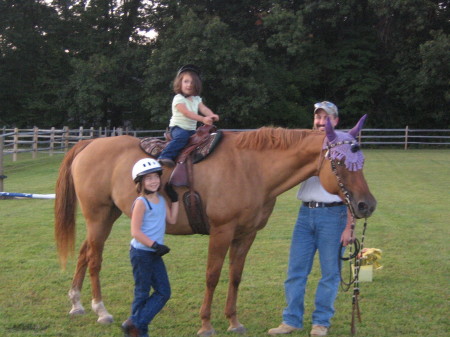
344, 176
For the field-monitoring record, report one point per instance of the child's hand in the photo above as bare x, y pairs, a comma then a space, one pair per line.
160, 249
208, 120
171, 193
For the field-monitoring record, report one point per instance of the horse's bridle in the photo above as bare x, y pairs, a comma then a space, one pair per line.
355, 257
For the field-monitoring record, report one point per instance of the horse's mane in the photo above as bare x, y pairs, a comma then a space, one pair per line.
269, 138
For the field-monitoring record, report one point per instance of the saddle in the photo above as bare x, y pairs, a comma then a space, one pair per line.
200, 145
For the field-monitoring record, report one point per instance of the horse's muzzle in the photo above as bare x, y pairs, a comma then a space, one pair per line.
365, 209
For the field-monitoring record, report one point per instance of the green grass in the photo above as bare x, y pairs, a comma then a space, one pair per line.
408, 297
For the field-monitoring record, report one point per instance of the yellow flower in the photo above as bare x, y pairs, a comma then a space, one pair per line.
370, 256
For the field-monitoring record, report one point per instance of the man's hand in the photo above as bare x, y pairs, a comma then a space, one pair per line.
347, 237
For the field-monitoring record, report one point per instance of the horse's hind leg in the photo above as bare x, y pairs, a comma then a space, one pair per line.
77, 282
97, 233
98, 230
238, 253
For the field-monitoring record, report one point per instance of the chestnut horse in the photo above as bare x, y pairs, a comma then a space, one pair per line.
239, 184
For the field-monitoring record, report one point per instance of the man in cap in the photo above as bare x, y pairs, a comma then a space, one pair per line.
322, 224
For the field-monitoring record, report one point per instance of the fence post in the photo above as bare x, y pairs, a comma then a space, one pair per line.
52, 141
35, 142
406, 138
91, 132
15, 143
80, 133
1, 164
66, 138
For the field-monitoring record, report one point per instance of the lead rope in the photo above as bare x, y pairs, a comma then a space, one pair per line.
355, 297
355, 255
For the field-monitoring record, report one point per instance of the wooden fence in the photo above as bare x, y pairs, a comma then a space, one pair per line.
53, 140
16, 141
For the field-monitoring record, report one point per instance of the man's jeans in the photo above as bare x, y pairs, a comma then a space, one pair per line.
316, 229
149, 272
180, 138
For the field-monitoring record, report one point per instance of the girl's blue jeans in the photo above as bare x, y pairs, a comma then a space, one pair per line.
149, 272
180, 138
316, 229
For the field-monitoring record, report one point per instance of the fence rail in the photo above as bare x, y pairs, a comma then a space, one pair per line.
53, 140
406, 137
15, 141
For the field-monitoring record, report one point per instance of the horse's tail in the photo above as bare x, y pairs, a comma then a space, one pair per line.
66, 204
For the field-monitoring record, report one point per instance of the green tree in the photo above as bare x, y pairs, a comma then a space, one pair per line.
231, 70
32, 64
108, 60
264, 62
434, 81
330, 52
403, 27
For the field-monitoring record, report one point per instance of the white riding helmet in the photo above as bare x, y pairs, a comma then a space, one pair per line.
145, 166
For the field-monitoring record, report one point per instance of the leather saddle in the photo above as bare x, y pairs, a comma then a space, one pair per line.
200, 145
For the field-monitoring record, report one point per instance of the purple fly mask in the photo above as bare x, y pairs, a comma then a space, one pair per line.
341, 145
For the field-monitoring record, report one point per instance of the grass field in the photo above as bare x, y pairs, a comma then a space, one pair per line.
408, 297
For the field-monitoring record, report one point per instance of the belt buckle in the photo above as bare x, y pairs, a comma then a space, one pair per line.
313, 204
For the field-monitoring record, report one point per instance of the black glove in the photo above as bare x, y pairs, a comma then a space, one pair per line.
171, 193
160, 249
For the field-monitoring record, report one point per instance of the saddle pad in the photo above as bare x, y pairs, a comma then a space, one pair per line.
154, 146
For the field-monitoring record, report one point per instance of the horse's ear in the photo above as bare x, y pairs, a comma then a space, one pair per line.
329, 129
354, 132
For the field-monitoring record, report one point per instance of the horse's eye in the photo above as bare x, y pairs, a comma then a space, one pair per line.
354, 148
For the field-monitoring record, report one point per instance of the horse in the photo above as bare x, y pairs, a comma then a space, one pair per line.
239, 184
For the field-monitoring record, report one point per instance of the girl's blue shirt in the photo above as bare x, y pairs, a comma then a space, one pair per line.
153, 223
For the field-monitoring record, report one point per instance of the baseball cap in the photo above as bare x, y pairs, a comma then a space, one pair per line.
329, 108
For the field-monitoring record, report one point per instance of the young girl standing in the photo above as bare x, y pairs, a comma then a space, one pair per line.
148, 223
186, 106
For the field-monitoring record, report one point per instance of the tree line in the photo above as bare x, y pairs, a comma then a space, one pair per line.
93, 63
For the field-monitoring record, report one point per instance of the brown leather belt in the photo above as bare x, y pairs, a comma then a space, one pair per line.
315, 204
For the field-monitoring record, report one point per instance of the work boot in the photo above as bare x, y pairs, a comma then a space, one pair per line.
319, 330
129, 329
283, 328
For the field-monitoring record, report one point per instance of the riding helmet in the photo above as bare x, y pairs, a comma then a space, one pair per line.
189, 67
145, 166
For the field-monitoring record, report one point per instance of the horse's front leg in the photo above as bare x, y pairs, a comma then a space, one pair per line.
238, 253
219, 242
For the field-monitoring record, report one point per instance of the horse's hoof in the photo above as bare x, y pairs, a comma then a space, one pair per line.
207, 333
240, 329
77, 312
107, 319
